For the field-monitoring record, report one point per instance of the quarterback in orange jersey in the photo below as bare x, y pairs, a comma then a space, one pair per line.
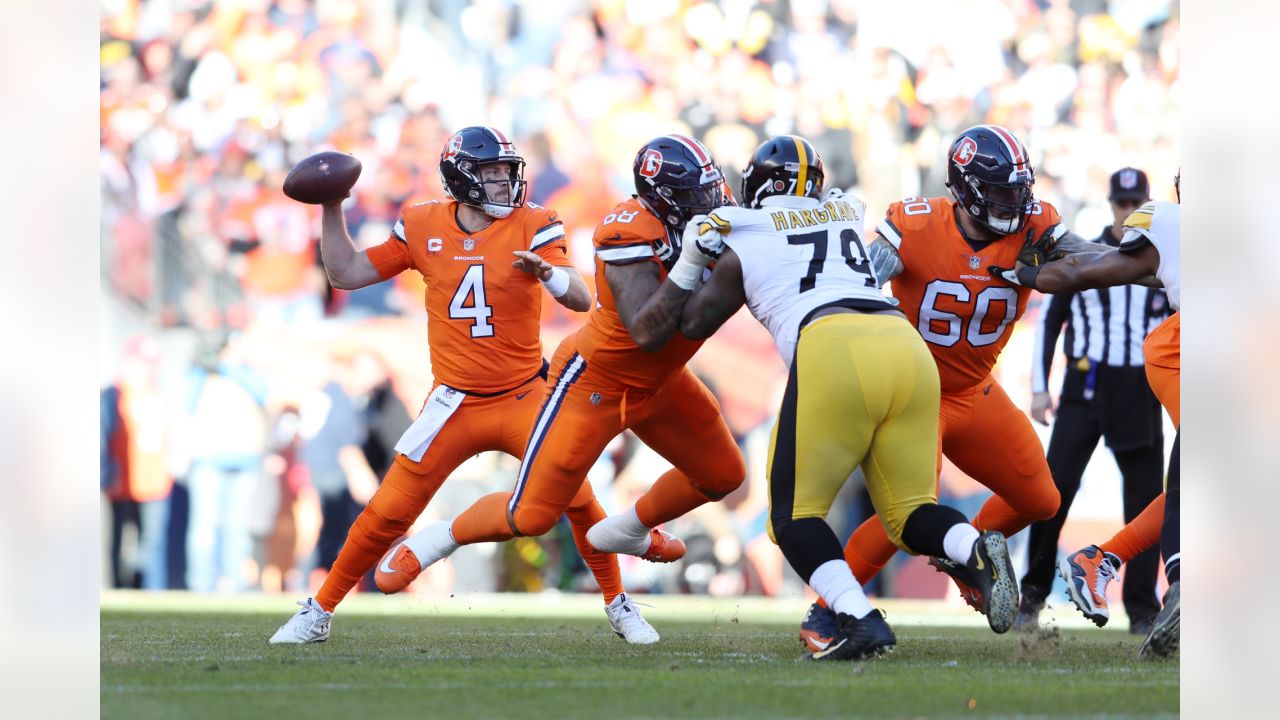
624, 369
936, 252
483, 255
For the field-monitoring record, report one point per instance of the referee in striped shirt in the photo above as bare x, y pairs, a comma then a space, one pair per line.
1105, 395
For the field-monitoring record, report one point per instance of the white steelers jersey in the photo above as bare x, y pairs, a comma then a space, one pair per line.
1159, 223
798, 254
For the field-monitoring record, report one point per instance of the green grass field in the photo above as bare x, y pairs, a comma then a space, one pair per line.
523, 656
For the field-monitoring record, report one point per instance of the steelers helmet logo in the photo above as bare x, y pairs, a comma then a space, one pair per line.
778, 185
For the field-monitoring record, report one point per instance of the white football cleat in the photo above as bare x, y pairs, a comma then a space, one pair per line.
309, 625
627, 622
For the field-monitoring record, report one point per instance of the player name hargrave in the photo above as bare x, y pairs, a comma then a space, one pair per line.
831, 211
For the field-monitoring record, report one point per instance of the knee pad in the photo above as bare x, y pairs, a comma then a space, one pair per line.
1044, 505
723, 482
530, 523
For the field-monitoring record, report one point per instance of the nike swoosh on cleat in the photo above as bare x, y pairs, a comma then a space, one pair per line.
520, 396
817, 644
830, 649
386, 563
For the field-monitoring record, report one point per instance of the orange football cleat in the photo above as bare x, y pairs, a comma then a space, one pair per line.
663, 547
1088, 572
397, 569
960, 574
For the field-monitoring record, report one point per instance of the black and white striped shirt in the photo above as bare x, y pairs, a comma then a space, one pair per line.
1107, 325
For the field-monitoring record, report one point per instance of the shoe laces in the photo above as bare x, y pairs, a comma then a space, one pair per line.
310, 605
1106, 573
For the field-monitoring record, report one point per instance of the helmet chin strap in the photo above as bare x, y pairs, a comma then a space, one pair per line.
994, 224
496, 211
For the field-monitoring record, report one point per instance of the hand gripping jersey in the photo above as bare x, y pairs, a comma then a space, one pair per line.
1159, 223
963, 313
483, 315
630, 234
799, 254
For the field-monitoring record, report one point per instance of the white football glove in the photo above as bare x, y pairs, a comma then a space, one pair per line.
832, 193
700, 236
884, 260
700, 245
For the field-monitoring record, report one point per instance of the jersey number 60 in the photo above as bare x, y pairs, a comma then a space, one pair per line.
931, 316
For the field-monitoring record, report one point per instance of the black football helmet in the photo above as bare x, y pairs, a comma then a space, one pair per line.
466, 152
676, 179
782, 165
990, 176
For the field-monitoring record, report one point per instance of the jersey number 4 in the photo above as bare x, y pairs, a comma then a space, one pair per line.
855, 256
478, 311
933, 319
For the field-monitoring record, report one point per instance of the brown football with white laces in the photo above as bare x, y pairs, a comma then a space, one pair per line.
322, 177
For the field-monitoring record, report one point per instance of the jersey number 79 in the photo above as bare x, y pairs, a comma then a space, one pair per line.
855, 256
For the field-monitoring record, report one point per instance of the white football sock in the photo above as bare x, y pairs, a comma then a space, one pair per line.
432, 543
834, 581
629, 523
958, 542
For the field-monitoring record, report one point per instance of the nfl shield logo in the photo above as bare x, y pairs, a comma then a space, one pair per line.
974, 262
595, 398
468, 244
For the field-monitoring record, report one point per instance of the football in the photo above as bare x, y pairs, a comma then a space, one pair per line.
322, 177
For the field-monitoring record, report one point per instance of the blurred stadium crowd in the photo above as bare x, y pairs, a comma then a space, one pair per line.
249, 405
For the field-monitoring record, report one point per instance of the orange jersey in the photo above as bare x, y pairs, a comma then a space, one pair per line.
964, 314
629, 234
483, 315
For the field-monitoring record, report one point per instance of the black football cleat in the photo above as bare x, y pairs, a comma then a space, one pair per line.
1163, 639
858, 639
1028, 617
992, 573
819, 628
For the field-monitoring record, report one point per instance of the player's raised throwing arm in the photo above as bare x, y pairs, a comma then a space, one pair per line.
347, 269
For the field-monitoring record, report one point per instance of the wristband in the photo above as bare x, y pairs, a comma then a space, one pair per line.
1027, 275
558, 283
685, 274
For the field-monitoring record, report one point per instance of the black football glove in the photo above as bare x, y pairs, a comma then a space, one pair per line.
1038, 251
